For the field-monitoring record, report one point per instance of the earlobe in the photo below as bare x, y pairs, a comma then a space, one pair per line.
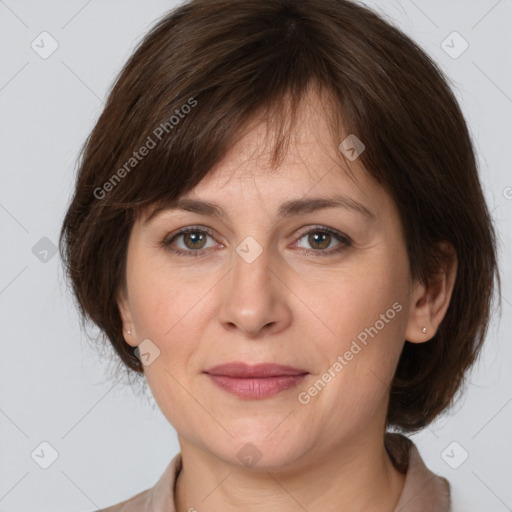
430, 302
126, 317
130, 338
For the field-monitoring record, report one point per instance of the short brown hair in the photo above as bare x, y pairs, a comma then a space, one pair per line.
232, 59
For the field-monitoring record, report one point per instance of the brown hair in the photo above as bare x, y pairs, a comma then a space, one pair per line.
210, 66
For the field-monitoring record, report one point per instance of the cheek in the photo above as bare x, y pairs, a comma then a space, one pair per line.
172, 311
168, 311
356, 298
363, 316
163, 297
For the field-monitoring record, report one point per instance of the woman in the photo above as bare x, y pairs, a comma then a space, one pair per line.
278, 222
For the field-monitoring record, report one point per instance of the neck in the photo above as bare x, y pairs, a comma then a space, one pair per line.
358, 475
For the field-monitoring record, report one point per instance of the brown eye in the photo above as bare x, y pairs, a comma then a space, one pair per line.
192, 241
321, 238
321, 241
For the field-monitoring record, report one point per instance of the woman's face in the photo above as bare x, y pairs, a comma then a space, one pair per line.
267, 282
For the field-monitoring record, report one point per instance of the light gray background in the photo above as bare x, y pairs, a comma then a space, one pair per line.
54, 386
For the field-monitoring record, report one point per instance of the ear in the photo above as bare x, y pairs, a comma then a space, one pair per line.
123, 305
430, 302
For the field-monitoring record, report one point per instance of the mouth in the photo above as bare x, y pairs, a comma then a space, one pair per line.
255, 381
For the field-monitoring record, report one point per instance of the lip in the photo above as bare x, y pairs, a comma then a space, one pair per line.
255, 381
244, 370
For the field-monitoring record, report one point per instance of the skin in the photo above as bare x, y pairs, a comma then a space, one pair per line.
286, 307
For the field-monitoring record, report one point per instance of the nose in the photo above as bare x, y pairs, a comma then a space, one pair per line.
255, 297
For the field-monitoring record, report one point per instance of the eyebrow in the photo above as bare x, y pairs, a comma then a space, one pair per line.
287, 209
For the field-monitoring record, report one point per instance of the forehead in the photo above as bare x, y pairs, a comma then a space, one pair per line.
311, 140
312, 166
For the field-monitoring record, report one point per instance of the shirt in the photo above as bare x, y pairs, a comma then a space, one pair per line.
423, 491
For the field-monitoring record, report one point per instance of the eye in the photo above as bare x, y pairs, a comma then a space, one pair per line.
194, 241
193, 238
320, 238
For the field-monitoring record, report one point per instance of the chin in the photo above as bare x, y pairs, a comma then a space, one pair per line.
258, 452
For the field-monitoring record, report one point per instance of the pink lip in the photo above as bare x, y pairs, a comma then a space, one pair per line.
258, 381
243, 370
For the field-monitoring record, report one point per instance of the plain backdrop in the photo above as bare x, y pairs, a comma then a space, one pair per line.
111, 443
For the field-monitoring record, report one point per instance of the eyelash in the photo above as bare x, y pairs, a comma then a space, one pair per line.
345, 242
